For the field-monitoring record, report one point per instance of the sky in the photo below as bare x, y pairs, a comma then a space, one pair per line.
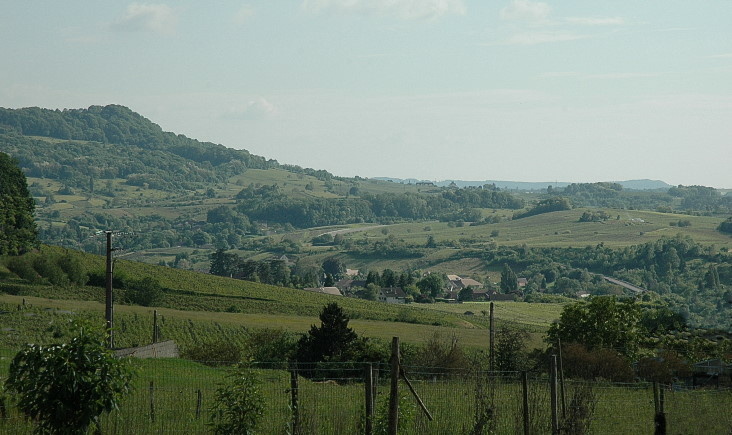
513, 90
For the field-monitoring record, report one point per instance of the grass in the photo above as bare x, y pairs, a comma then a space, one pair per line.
167, 391
42, 317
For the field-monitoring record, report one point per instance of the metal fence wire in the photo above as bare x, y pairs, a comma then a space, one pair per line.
176, 396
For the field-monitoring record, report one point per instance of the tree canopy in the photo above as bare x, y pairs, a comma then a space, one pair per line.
333, 340
601, 323
64, 388
17, 228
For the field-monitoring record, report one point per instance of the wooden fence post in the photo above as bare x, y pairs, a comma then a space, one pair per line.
525, 385
368, 378
394, 393
659, 420
155, 327
492, 340
554, 398
199, 403
152, 401
294, 401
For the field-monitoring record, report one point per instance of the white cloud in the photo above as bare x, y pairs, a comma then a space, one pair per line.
404, 9
525, 10
243, 15
533, 38
607, 76
626, 75
254, 109
157, 18
596, 21
721, 56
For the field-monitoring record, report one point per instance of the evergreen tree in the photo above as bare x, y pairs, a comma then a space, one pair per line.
509, 281
332, 341
18, 232
223, 263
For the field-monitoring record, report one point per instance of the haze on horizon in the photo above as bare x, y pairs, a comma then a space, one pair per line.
517, 90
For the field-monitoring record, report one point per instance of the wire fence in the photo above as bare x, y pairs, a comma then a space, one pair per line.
176, 396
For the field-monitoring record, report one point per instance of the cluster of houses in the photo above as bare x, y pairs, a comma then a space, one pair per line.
396, 295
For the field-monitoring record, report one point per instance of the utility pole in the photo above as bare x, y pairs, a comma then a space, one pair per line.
492, 341
109, 306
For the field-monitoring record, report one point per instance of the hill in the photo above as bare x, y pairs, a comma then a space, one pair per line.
192, 302
526, 185
178, 200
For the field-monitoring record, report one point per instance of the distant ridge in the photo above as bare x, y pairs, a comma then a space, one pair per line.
528, 185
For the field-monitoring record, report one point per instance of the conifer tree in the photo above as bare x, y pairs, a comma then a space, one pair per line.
18, 232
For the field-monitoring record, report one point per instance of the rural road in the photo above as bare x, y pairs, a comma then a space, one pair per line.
352, 230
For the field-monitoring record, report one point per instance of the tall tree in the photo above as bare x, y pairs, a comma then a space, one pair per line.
509, 281
223, 263
18, 232
333, 340
603, 323
431, 285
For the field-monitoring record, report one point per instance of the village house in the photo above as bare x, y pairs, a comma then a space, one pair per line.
392, 295
456, 283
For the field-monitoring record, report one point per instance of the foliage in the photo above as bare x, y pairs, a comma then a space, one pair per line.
333, 340
214, 352
146, 291
17, 228
270, 345
601, 363
407, 413
441, 353
432, 285
594, 216
726, 226
66, 387
602, 323
580, 410
511, 349
664, 368
48, 266
556, 203
509, 280
238, 404
466, 294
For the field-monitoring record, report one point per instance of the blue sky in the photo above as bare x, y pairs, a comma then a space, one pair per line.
576, 91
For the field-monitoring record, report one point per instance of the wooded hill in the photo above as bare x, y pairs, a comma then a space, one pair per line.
178, 200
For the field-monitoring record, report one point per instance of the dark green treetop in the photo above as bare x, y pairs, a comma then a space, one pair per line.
18, 232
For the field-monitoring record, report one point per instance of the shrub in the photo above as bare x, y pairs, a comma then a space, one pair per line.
64, 388
270, 345
74, 269
580, 411
214, 353
146, 291
443, 354
23, 267
238, 404
579, 362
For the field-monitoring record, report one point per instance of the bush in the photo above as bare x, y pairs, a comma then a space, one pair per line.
23, 267
74, 269
270, 345
442, 354
49, 269
64, 388
146, 291
214, 353
238, 404
579, 362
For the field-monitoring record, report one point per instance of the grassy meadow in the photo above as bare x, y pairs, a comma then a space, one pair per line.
172, 395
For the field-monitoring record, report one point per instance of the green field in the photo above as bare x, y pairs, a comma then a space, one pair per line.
166, 400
